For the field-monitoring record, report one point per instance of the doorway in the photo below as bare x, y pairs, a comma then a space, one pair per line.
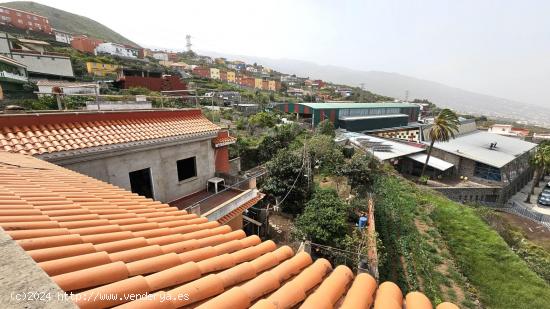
141, 183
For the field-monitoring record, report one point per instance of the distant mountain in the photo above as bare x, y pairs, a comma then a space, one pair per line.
70, 22
395, 85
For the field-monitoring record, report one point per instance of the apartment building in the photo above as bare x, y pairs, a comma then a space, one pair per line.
24, 20
62, 36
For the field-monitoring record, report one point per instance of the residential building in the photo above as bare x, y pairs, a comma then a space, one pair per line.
499, 162
202, 72
272, 85
356, 117
166, 63
231, 77
295, 92
223, 75
180, 66
214, 73
85, 44
98, 239
115, 49
29, 45
258, 83
13, 75
31, 53
160, 56
102, 69
247, 81
155, 81
24, 20
185, 139
63, 36
46, 87
144, 53
318, 83
220, 60
239, 65
251, 69
508, 130
344, 92
173, 57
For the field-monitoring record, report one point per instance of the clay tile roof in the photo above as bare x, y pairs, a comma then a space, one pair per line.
223, 141
43, 134
58, 217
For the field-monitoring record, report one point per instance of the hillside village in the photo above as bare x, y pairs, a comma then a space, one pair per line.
191, 181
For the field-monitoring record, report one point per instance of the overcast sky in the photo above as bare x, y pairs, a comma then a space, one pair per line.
500, 48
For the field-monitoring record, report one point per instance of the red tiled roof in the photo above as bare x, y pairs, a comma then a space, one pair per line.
223, 140
240, 209
48, 133
106, 244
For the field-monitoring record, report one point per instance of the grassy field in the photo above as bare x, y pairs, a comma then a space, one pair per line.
501, 277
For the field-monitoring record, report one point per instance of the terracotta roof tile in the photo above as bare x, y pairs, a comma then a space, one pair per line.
93, 238
36, 134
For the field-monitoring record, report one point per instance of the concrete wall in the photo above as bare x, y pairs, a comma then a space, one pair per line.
45, 64
161, 161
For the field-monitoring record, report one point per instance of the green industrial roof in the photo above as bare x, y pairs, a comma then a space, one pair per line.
356, 105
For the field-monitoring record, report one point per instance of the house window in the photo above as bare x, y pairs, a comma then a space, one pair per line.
20, 21
488, 172
18, 14
34, 18
187, 168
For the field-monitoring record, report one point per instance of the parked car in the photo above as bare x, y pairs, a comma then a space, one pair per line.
544, 197
547, 185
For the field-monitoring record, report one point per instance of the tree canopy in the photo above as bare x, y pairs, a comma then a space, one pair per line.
324, 219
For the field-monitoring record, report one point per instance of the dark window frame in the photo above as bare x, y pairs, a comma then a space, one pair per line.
186, 168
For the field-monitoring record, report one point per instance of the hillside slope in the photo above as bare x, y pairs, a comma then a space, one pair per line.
70, 22
395, 85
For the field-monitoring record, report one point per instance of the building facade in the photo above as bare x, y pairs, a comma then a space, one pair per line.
24, 20
85, 44
202, 72
115, 49
102, 69
215, 73
12, 77
356, 117
63, 36
38, 62
230, 76
258, 83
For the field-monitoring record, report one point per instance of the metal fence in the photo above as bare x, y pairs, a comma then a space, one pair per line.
517, 209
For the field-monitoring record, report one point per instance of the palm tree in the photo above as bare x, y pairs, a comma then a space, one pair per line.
540, 161
443, 129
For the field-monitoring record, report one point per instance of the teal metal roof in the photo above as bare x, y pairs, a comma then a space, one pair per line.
356, 105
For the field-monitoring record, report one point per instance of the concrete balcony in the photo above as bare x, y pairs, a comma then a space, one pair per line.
11, 76
212, 205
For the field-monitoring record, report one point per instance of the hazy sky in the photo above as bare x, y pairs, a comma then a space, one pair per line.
495, 47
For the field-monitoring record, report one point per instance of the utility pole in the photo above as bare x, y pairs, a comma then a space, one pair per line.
406, 95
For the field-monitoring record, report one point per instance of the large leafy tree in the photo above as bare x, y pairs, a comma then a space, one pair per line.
443, 129
324, 220
324, 153
326, 127
360, 171
286, 182
540, 161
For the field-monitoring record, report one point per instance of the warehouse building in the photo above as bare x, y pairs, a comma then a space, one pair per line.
356, 117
